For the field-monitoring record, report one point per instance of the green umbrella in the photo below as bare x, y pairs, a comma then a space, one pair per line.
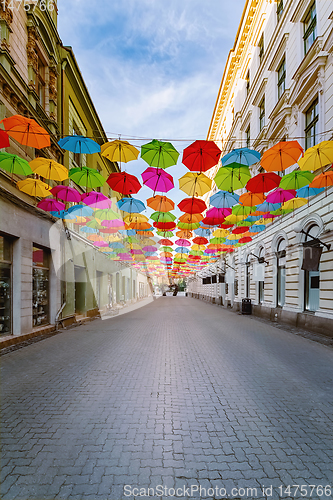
130, 239
163, 217
185, 225
14, 164
165, 234
159, 154
197, 252
94, 224
106, 214
230, 179
242, 210
244, 223
296, 179
166, 249
88, 177
282, 211
217, 241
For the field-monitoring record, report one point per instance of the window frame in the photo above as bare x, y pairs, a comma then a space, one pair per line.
77, 157
247, 82
262, 110
310, 27
261, 46
248, 136
279, 9
281, 83
310, 139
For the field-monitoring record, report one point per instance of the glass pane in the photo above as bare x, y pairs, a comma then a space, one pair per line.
40, 296
5, 248
312, 283
281, 280
5, 300
39, 257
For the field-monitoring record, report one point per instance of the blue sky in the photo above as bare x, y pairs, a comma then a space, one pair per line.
152, 67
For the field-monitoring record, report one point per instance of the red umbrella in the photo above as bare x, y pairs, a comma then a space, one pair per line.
165, 242
200, 241
201, 155
165, 226
124, 183
246, 239
240, 230
192, 205
225, 226
157, 179
262, 183
212, 221
4, 139
66, 193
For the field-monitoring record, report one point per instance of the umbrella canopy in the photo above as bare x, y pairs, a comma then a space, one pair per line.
240, 230
317, 157
268, 207
135, 217
199, 240
119, 151
165, 241
4, 139
201, 155
294, 203
157, 179
81, 210
124, 183
79, 144
224, 199
296, 179
230, 178
192, 205
159, 154
241, 210
218, 212
188, 225
220, 233
243, 156
34, 187
106, 214
245, 239
131, 205
14, 164
281, 156
190, 218
51, 205
26, 131
183, 243
203, 232
323, 180
280, 196
184, 233
160, 203
163, 217
49, 169
307, 191
256, 228
88, 177
251, 199
263, 183
66, 193
195, 184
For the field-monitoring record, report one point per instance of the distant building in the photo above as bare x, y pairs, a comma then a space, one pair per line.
49, 271
278, 85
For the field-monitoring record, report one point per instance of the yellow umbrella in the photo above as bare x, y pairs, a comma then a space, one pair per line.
118, 150
49, 169
294, 203
134, 218
318, 156
220, 233
263, 221
198, 247
232, 219
195, 184
34, 187
234, 237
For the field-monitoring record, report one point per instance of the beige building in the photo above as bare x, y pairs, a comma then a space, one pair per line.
278, 85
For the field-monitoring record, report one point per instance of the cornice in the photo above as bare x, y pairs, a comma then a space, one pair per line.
278, 53
260, 92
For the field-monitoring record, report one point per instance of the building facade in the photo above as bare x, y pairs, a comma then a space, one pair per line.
278, 85
49, 271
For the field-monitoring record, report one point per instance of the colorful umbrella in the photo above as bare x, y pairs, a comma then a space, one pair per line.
281, 156
224, 199
195, 184
280, 196
201, 155
124, 183
323, 180
94, 198
51, 205
4, 139
88, 177
160, 203
317, 157
106, 214
231, 179
157, 179
79, 144
131, 205
190, 218
263, 183
49, 169
294, 203
268, 207
307, 191
188, 225
66, 193
257, 228
165, 241
119, 151
81, 210
14, 164
184, 234
241, 210
183, 243
200, 240
296, 179
163, 217
243, 156
251, 199
159, 154
26, 131
192, 205
34, 187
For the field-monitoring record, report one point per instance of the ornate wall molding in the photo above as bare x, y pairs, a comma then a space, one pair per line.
32, 55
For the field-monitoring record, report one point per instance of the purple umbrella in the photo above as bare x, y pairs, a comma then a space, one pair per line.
113, 223
66, 193
135, 251
220, 213
269, 216
280, 195
93, 197
124, 256
51, 205
149, 248
183, 243
157, 179
101, 244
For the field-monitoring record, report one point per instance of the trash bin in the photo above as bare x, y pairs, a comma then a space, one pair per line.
246, 306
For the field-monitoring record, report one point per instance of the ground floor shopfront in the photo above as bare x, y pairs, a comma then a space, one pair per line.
51, 275
286, 271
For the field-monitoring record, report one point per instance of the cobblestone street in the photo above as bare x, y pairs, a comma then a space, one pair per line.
179, 393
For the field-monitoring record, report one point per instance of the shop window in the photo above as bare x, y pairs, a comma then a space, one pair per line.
261, 48
281, 272
236, 287
40, 285
261, 282
311, 124
310, 28
262, 114
279, 9
281, 72
311, 263
5, 285
247, 278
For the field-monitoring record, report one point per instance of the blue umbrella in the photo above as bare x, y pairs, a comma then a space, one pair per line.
252, 218
306, 191
131, 205
127, 232
268, 207
182, 250
149, 254
79, 144
257, 228
63, 214
116, 244
223, 199
81, 210
244, 156
87, 229
203, 232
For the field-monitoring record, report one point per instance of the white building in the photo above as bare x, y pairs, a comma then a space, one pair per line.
278, 85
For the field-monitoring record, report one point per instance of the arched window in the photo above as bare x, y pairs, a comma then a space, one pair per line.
311, 278
281, 272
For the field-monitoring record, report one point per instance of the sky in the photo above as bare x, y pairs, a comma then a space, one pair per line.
153, 68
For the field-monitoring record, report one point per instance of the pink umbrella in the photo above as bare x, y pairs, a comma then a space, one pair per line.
149, 248
51, 205
183, 243
66, 193
269, 216
157, 179
135, 251
280, 195
220, 213
124, 256
93, 197
115, 223
101, 244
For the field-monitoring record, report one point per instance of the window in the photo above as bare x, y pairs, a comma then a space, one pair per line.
281, 72
40, 286
311, 120
261, 48
261, 273
248, 136
310, 28
279, 9
312, 251
281, 272
247, 82
247, 278
5, 285
77, 156
41, 82
262, 114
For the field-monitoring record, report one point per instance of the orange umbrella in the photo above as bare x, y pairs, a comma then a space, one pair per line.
184, 234
251, 199
190, 218
26, 131
281, 156
160, 203
139, 225
145, 233
323, 180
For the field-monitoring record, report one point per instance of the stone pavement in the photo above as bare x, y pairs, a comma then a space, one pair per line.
177, 394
